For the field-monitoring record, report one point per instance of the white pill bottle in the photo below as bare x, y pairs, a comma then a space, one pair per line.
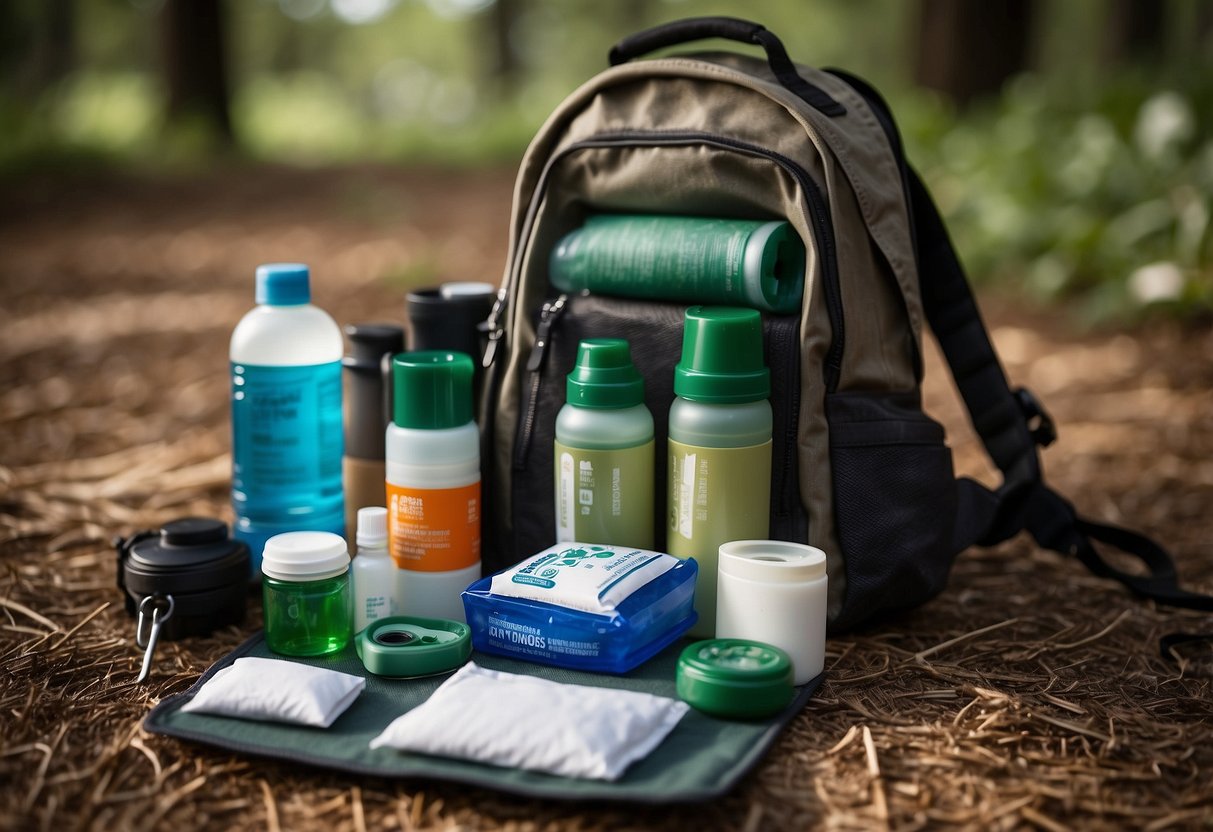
432, 454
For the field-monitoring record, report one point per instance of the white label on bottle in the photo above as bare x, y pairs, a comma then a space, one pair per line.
566, 499
686, 496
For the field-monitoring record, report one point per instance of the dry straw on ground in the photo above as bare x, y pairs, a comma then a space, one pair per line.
1029, 695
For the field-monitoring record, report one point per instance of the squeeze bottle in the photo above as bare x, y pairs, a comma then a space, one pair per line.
720, 444
604, 450
433, 483
372, 572
286, 413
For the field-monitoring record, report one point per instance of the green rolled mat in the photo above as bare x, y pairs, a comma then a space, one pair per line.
752, 263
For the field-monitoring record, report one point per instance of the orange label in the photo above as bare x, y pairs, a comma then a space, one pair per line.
434, 529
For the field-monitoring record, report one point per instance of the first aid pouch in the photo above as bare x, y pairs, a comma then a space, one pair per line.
274, 690
584, 606
518, 721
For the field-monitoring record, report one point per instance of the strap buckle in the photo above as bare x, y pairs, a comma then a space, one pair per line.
1041, 426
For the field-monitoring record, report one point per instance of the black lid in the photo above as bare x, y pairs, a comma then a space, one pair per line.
192, 554
370, 342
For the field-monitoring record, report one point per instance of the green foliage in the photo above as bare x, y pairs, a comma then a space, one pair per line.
1107, 200
1074, 184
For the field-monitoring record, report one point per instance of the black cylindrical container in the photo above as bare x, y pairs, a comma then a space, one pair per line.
449, 317
368, 396
196, 561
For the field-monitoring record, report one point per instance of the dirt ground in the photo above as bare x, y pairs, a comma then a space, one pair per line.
1029, 695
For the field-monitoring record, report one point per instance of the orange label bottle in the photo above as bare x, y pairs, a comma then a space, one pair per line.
432, 454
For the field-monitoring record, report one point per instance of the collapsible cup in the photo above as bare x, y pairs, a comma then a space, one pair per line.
774, 591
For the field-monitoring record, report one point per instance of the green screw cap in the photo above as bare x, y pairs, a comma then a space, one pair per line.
604, 376
735, 678
722, 359
432, 390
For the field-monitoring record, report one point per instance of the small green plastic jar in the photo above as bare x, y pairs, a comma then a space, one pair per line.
306, 591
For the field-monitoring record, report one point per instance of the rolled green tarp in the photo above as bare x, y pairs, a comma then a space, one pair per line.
694, 259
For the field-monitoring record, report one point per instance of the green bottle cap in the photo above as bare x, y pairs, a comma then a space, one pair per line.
735, 678
404, 646
604, 376
432, 390
722, 357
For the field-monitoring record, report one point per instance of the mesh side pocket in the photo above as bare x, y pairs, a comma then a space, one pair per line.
895, 502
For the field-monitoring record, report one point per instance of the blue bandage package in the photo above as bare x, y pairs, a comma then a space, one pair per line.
584, 606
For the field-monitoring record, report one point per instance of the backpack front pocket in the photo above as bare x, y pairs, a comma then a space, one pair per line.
895, 502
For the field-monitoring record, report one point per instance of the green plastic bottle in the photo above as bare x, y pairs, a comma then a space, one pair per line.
604, 450
720, 444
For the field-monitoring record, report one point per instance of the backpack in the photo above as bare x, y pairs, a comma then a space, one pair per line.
858, 469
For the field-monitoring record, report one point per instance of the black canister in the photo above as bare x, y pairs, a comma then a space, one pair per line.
451, 317
196, 562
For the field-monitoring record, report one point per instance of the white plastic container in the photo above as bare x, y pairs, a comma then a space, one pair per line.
287, 439
432, 451
775, 591
373, 573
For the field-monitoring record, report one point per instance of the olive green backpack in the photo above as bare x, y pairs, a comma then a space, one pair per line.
858, 469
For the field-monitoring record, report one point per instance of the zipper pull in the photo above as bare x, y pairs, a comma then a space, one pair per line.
547, 317
496, 331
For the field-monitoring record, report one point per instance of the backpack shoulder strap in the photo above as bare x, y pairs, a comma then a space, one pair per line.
1012, 425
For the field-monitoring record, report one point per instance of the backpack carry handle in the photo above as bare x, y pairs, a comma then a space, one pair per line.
729, 28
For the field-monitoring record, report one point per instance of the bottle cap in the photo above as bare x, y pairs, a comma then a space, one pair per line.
372, 527
604, 376
304, 556
722, 359
735, 678
772, 561
463, 288
192, 554
282, 284
774, 268
432, 390
369, 343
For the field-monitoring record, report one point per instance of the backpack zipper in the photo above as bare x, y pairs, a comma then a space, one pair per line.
548, 316
818, 216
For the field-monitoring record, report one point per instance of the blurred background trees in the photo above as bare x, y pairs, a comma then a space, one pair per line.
1067, 142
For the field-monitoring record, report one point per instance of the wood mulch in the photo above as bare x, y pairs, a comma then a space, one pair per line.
1029, 695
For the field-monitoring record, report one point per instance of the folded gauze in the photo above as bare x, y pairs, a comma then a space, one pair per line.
522, 722
273, 690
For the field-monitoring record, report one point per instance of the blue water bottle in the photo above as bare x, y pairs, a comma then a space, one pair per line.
286, 413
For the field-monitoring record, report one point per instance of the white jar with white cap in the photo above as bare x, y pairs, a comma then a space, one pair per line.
774, 591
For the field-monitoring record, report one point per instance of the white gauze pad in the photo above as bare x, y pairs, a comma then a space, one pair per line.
518, 721
582, 576
272, 690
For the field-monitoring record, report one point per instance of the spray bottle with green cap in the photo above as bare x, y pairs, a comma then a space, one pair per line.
433, 483
604, 450
720, 444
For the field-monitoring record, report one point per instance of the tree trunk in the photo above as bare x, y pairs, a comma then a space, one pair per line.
195, 66
503, 70
1135, 32
968, 49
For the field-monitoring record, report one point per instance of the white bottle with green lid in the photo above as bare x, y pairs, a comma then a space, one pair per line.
604, 450
720, 444
432, 456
